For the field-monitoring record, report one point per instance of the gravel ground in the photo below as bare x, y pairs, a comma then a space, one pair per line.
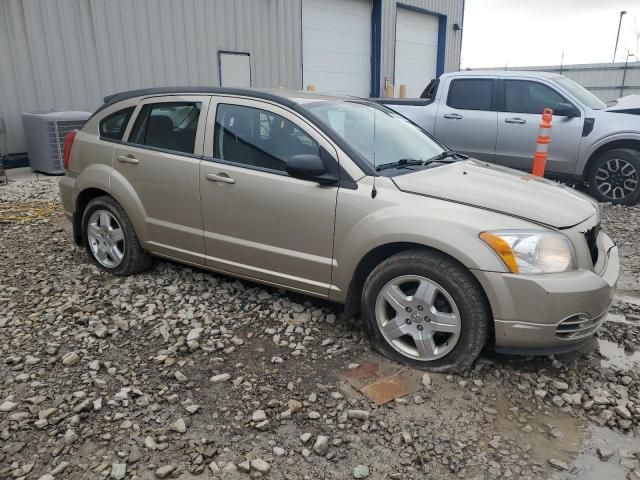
181, 373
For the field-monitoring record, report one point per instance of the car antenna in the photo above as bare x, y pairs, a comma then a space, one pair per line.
374, 192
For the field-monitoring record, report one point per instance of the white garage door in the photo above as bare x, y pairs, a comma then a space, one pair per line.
336, 46
416, 50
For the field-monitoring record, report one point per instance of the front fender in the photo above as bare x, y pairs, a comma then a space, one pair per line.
438, 224
588, 152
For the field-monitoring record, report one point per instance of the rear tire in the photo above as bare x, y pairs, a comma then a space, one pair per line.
438, 316
110, 240
615, 177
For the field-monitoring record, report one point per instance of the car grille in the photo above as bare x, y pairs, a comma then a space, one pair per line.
591, 236
579, 326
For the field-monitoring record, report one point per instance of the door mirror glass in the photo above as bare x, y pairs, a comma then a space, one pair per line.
309, 167
565, 110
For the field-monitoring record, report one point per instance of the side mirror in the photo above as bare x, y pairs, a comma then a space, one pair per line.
309, 167
566, 110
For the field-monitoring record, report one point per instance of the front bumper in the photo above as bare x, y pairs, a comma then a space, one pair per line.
551, 313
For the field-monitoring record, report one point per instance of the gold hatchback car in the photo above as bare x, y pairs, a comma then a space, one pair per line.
342, 198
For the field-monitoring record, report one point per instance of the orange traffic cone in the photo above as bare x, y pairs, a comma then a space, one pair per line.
543, 141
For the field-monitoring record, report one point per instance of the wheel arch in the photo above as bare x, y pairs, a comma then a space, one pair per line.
379, 253
630, 143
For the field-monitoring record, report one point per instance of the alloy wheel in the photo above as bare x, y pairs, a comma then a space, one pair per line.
106, 238
418, 317
616, 179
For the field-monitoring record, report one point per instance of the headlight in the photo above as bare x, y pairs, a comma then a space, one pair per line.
532, 252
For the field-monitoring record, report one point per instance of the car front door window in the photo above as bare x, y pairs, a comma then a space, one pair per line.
258, 138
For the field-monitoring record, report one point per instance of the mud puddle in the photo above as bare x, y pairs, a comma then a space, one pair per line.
588, 465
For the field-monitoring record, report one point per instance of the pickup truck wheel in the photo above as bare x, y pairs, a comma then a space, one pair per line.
424, 309
110, 239
615, 177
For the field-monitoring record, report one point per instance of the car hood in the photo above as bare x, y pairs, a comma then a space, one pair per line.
629, 104
502, 190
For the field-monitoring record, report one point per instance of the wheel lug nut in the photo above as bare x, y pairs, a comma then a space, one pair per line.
420, 307
408, 321
420, 327
408, 309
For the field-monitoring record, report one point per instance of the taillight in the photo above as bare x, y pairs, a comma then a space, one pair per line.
68, 143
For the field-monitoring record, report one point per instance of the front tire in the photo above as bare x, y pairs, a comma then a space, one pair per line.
426, 310
110, 239
615, 177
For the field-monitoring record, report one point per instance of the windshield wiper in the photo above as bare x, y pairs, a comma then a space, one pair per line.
403, 162
447, 154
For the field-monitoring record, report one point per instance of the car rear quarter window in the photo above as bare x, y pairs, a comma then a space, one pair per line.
113, 126
522, 96
258, 138
471, 94
167, 125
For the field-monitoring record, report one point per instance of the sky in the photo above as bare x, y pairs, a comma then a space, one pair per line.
520, 33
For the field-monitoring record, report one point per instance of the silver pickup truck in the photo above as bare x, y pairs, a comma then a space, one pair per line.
495, 115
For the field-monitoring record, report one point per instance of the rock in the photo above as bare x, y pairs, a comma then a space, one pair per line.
70, 358
305, 437
178, 426
426, 379
558, 385
179, 376
215, 469
263, 425
313, 415
259, 416
540, 394
47, 476
165, 471
361, 471
623, 411
558, 464
223, 377
358, 414
260, 465
244, 466
406, 437
294, 405
8, 406
278, 451
150, 443
321, 447
194, 334
118, 471
70, 437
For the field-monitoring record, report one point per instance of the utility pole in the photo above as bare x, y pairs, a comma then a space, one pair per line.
615, 49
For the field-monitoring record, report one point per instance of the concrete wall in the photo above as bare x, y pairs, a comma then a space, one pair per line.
69, 54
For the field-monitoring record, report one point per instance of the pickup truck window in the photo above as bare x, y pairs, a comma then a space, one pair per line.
582, 94
522, 96
378, 134
470, 94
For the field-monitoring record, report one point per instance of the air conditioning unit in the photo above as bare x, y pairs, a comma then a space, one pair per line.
45, 131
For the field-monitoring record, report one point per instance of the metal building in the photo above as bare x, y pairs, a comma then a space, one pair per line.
69, 54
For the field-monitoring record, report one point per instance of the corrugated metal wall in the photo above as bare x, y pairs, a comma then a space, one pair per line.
69, 54
607, 81
453, 9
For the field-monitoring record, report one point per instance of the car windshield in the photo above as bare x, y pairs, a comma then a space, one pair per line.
378, 134
580, 93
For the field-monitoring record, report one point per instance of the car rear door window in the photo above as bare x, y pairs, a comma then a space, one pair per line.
167, 125
258, 138
521, 96
113, 126
471, 94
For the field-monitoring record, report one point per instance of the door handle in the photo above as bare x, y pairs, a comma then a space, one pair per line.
520, 121
128, 159
453, 116
220, 177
